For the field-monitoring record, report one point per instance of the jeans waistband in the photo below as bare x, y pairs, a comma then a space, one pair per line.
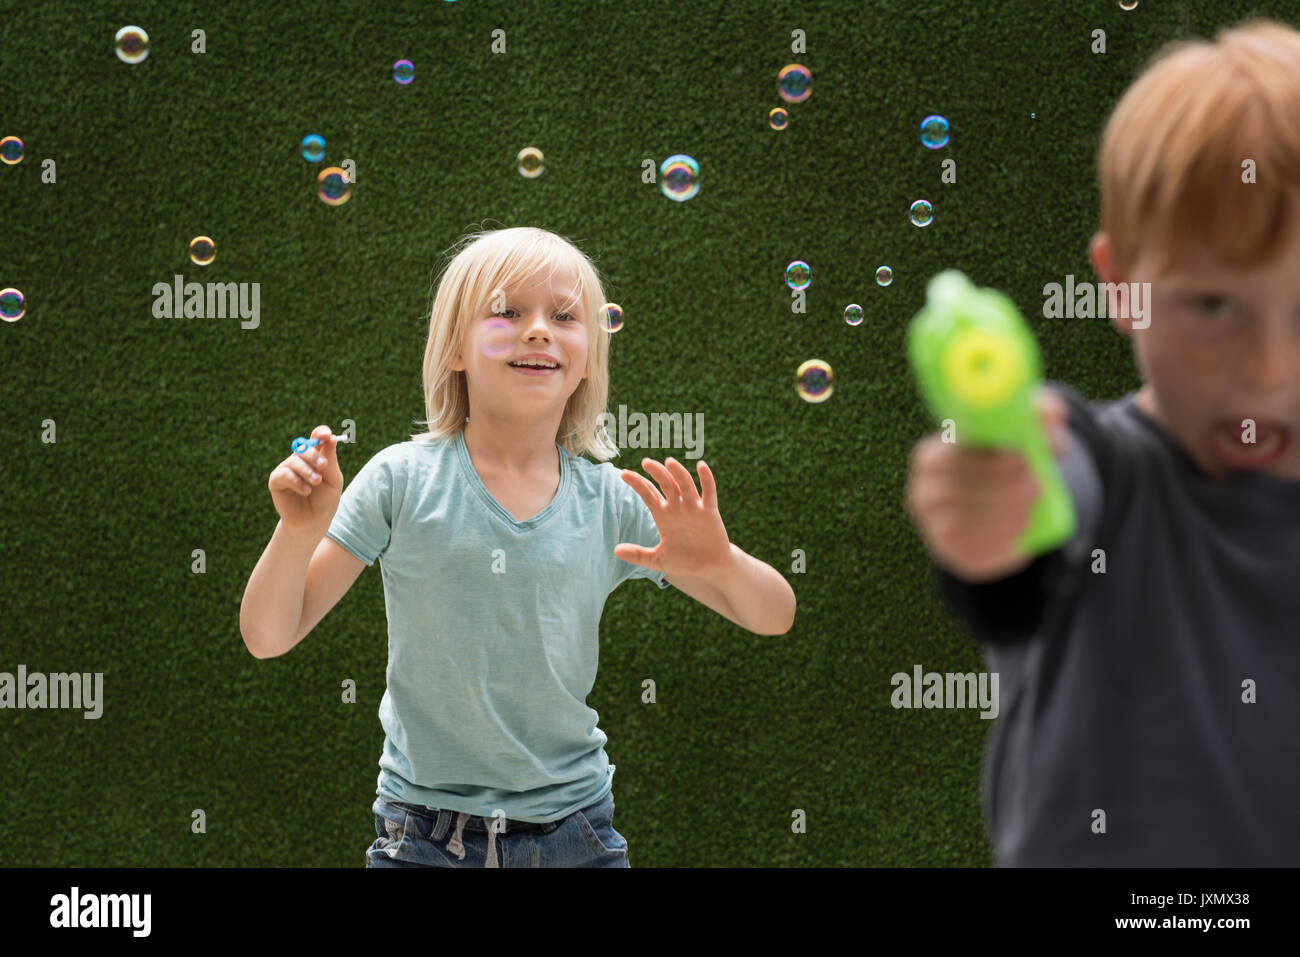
478, 823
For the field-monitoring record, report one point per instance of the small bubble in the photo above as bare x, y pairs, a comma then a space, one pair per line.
778, 118
12, 305
794, 83
922, 213
798, 275
1128, 4
934, 132
313, 148
530, 162
404, 71
498, 337
611, 317
853, 314
132, 45
333, 186
679, 177
884, 276
202, 250
11, 150
814, 381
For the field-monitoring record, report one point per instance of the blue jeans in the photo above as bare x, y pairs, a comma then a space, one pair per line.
411, 835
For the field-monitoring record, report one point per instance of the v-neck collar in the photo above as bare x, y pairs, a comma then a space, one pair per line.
471, 475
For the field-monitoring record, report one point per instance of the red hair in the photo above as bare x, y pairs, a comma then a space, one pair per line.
1170, 165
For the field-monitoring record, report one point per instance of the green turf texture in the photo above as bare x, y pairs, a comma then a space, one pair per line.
167, 429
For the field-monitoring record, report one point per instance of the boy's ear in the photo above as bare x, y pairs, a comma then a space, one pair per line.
1099, 253
1103, 264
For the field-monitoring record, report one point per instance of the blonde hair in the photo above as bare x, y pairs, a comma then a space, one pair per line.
495, 259
1170, 164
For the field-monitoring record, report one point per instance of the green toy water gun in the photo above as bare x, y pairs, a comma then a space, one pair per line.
977, 364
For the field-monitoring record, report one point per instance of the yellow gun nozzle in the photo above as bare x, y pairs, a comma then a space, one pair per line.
982, 370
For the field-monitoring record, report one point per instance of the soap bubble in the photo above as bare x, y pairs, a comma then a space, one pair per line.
12, 305
934, 132
313, 148
132, 45
611, 317
202, 250
1128, 4
853, 314
11, 150
679, 177
794, 83
778, 118
403, 71
798, 275
530, 162
498, 338
922, 213
333, 186
884, 276
814, 381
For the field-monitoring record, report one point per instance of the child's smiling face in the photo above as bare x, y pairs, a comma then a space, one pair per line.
1223, 345
543, 317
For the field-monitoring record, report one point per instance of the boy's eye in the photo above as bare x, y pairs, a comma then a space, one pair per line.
1216, 306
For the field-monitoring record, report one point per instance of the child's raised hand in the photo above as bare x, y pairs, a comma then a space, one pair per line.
305, 491
692, 538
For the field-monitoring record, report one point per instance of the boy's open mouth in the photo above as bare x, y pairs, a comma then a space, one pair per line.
1271, 441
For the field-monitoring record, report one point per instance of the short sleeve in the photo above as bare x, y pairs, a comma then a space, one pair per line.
636, 526
363, 523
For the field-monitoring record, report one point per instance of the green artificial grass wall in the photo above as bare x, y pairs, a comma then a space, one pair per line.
167, 429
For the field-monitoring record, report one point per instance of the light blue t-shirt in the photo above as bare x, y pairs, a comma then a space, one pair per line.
492, 627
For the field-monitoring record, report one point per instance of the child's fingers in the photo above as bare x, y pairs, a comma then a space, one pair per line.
322, 457
304, 471
288, 476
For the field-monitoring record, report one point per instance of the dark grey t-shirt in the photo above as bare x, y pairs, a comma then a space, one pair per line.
1123, 692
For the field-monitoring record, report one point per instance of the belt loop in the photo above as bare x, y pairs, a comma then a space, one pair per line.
440, 825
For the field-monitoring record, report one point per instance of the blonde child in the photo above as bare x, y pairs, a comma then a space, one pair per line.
498, 545
1150, 668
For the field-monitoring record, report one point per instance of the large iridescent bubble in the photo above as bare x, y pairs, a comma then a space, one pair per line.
333, 186
611, 317
794, 83
679, 177
531, 162
934, 132
131, 44
11, 150
313, 147
498, 337
798, 274
814, 381
12, 305
202, 251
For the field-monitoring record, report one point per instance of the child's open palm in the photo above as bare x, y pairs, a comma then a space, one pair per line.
692, 538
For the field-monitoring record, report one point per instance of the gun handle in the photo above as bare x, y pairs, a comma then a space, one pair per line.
1052, 519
